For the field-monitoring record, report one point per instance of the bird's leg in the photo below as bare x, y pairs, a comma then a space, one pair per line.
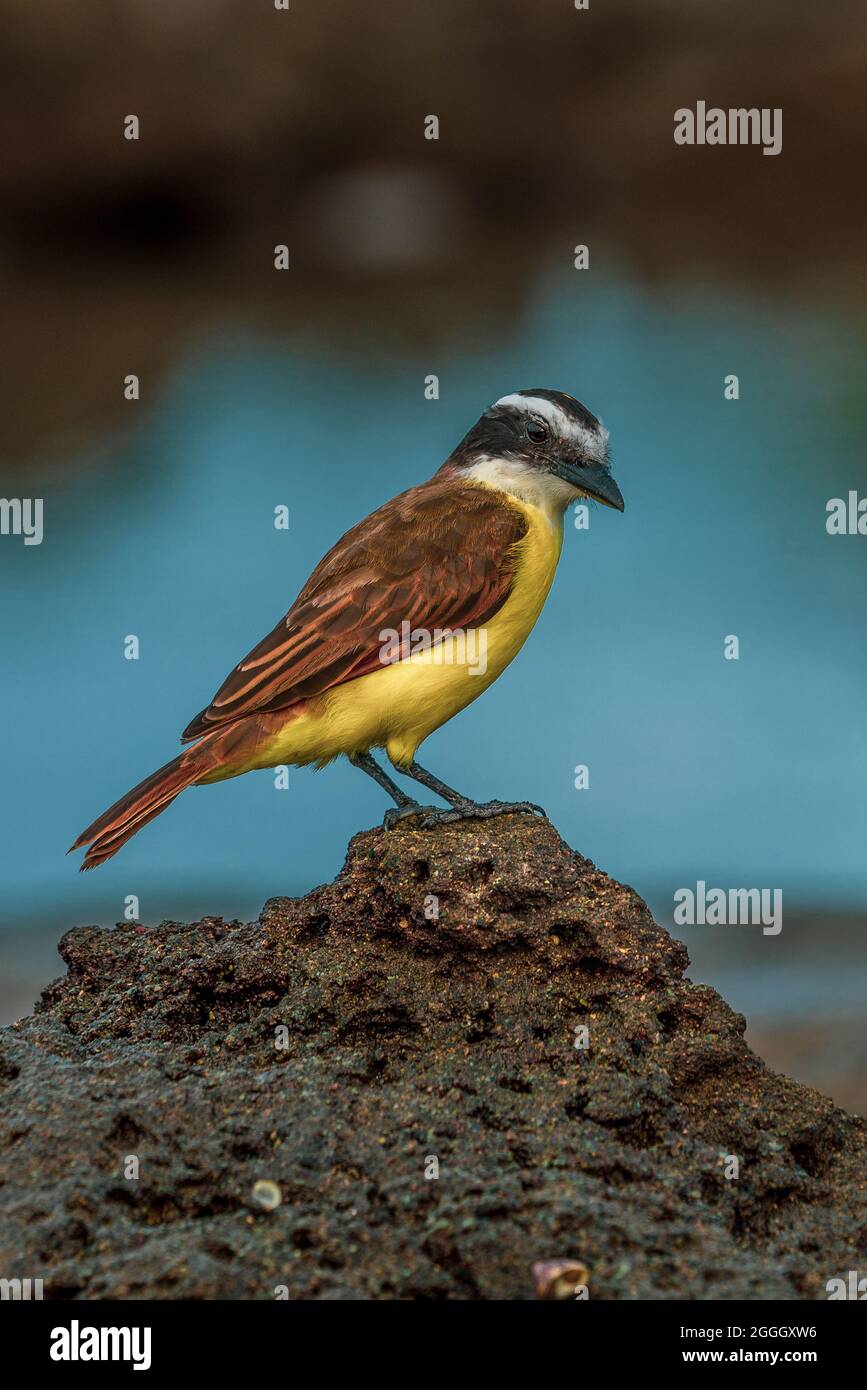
462, 807
427, 779
405, 806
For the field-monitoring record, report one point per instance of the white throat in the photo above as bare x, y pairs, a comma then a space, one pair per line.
550, 494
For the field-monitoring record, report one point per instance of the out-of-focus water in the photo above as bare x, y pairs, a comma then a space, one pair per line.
744, 773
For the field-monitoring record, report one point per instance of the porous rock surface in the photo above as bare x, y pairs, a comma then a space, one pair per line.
290, 1086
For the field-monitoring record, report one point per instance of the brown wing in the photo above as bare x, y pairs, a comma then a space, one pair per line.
439, 555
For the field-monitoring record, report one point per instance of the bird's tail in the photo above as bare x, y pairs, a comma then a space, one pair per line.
121, 821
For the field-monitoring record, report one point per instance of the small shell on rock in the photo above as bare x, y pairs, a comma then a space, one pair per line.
267, 1194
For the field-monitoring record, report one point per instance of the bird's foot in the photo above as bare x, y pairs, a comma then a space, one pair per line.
398, 813
429, 816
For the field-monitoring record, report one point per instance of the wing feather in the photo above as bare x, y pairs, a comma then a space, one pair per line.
440, 555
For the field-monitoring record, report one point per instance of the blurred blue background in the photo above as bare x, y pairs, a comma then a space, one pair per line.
748, 772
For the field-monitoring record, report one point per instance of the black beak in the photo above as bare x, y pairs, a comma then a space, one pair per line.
593, 479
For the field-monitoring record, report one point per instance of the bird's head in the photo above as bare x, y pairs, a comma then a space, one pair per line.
542, 446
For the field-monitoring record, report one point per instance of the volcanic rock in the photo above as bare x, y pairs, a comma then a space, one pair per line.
472, 1055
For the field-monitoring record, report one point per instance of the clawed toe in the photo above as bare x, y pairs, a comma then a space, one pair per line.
395, 814
502, 808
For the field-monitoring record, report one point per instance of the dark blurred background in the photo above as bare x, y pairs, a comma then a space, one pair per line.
411, 257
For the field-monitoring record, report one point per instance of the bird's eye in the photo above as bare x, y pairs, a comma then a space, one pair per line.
536, 431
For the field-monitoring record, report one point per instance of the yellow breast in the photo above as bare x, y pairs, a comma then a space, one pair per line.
399, 706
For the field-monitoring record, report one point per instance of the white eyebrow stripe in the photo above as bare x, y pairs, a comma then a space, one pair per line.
594, 444
539, 406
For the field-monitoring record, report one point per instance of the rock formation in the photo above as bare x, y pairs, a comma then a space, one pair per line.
472, 1054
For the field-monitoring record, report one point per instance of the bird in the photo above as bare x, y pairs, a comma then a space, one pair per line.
411, 615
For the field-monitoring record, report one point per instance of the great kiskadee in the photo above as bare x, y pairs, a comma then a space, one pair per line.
462, 564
